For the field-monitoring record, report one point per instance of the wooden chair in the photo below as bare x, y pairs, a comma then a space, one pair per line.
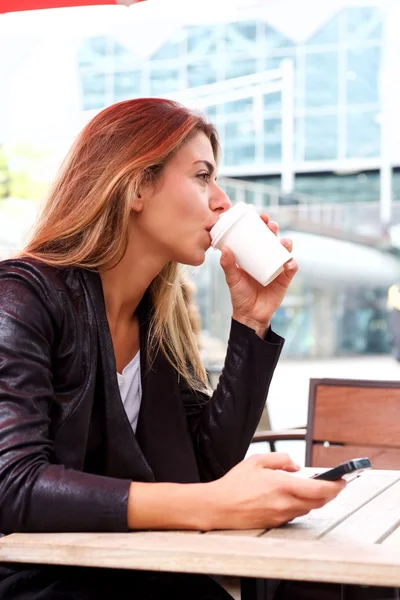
348, 418
265, 433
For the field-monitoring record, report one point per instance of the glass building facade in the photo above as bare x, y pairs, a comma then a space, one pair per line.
336, 87
337, 112
230, 64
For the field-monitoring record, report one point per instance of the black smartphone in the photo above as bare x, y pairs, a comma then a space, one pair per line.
348, 470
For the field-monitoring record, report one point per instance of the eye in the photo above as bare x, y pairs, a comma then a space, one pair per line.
205, 176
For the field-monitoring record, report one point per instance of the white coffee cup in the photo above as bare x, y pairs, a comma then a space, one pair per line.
257, 250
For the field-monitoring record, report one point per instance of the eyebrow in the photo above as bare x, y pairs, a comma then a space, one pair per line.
209, 165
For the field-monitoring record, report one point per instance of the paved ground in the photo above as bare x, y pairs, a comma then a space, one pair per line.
288, 396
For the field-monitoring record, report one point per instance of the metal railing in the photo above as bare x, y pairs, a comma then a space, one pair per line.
302, 211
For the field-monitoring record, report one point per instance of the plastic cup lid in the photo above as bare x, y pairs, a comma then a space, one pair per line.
227, 219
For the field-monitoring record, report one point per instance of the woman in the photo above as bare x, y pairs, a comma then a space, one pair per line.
104, 404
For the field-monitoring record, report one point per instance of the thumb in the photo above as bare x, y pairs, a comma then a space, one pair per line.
277, 460
228, 264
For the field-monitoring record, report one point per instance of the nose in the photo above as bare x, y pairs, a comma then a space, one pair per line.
219, 201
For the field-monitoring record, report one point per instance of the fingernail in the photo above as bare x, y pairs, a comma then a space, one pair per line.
224, 253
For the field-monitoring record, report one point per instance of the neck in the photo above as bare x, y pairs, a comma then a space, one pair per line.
125, 284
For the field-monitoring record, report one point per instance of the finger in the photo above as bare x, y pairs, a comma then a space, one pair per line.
276, 460
324, 490
290, 508
298, 507
273, 225
232, 273
291, 267
287, 243
303, 508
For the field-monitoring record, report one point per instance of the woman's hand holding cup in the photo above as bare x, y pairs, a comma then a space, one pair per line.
255, 303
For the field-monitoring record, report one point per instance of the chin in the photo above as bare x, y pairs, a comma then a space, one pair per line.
195, 260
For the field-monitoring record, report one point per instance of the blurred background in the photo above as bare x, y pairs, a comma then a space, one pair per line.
305, 96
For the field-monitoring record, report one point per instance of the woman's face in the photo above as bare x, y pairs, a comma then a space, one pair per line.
176, 215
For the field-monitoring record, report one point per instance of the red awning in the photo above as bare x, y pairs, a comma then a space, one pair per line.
17, 5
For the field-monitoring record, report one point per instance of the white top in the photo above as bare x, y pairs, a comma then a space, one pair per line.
130, 387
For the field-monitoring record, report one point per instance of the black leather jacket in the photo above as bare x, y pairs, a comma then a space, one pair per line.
67, 451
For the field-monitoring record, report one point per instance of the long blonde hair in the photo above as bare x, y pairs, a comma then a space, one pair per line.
85, 221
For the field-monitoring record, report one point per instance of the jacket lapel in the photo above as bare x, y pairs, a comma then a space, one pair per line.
122, 455
162, 431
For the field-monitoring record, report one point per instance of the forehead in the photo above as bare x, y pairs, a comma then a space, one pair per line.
198, 147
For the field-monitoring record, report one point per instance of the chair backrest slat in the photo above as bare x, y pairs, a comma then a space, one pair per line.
381, 458
357, 418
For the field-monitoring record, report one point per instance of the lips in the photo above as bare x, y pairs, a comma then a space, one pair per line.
210, 227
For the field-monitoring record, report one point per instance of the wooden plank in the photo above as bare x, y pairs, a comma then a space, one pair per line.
241, 556
371, 523
356, 494
338, 417
237, 532
392, 539
330, 456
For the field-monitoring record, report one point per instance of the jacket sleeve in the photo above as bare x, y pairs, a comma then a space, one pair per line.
36, 495
222, 427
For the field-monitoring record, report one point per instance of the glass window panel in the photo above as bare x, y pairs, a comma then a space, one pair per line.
321, 79
172, 48
94, 90
321, 138
239, 143
239, 131
118, 49
299, 138
243, 106
247, 29
274, 62
163, 81
249, 197
126, 85
363, 135
239, 36
211, 112
168, 50
86, 56
201, 36
274, 39
100, 45
364, 22
327, 34
201, 73
272, 140
95, 50
363, 66
232, 41
272, 101
238, 68
239, 155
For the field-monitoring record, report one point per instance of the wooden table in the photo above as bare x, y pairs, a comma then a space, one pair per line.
353, 539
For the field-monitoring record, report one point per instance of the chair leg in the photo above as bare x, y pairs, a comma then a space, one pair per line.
272, 446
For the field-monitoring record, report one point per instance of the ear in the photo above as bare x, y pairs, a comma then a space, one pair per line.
137, 203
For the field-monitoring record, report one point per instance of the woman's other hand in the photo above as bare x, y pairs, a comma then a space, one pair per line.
258, 493
253, 304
